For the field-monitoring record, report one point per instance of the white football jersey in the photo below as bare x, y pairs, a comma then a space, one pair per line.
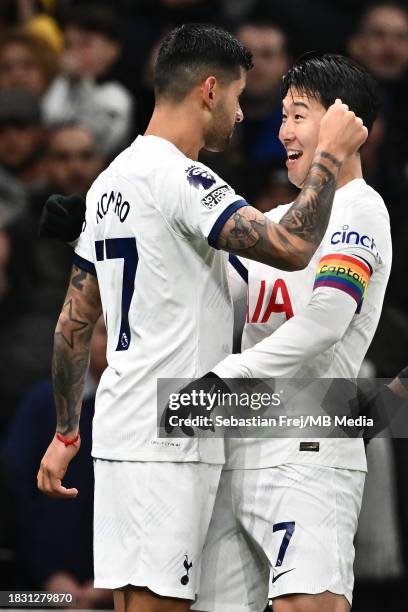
317, 322
152, 220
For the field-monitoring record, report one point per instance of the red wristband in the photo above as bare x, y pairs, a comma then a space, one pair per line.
68, 441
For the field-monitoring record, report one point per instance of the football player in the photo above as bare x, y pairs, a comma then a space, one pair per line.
286, 511
150, 256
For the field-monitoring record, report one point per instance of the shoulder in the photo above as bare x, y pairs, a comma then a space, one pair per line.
365, 200
199, 176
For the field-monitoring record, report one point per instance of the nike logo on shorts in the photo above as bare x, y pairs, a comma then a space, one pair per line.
274, 578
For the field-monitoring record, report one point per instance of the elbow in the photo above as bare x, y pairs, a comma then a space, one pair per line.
332, 335
300, 260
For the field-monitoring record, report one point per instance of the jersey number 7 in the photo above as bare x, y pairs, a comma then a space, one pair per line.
122, 248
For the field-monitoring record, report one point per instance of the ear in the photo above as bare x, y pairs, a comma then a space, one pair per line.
209, 91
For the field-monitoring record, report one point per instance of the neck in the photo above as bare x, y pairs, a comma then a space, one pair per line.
179, 125
350, 170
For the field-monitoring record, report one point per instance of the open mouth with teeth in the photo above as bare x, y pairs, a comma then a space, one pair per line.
294, 155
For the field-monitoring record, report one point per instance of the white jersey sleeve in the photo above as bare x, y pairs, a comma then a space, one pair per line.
84, 256
351, 254
354, 248
195, 201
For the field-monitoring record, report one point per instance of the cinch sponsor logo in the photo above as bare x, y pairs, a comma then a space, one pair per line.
212, 199
347, 236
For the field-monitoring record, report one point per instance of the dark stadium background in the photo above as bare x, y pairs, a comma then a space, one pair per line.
75, 88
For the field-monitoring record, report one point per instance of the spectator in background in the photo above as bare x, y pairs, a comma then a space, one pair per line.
26, 333
26, 63
50, 558
381, 44
72, 162
22, 137
261, 102
381, 40
84, 91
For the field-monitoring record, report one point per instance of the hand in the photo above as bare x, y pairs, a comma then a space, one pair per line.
399, 385
62, 582
341, 132
198, 401
53, 467
62, 217
91, 598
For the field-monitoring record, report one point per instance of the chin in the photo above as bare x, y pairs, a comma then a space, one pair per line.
217, 147
295, 180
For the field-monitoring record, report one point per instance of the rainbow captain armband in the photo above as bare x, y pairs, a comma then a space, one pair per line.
345, 272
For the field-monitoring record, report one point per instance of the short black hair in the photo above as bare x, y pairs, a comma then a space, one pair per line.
327, 77
192, 52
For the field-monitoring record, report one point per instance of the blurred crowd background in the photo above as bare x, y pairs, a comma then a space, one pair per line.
75, 88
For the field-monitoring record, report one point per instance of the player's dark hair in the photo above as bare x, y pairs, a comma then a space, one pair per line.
327, 77
191, 53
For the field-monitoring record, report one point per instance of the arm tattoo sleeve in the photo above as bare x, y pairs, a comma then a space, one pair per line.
71, 348
289, 244
310, 213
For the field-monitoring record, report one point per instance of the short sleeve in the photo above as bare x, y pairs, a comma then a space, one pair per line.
84, 257
197, 202
354, 248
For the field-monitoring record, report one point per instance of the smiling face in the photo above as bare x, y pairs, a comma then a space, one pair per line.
299, 133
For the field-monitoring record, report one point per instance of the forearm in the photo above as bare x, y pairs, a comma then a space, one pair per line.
290, 244
71, 349
69, 370
300, 339
309, 215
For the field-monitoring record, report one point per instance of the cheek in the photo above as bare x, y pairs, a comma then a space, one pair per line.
310, 139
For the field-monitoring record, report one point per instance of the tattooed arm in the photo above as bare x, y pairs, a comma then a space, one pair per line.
73, 333
79, 314
290, 244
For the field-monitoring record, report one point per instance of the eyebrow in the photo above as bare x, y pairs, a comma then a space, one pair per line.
302, 104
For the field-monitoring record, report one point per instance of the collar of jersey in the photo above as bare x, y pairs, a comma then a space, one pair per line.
350, 185
158, 144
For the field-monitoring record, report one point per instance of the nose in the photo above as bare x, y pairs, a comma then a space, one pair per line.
286, 132
239, 117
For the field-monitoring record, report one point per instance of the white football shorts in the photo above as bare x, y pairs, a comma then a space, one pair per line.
280, 530
150, 524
